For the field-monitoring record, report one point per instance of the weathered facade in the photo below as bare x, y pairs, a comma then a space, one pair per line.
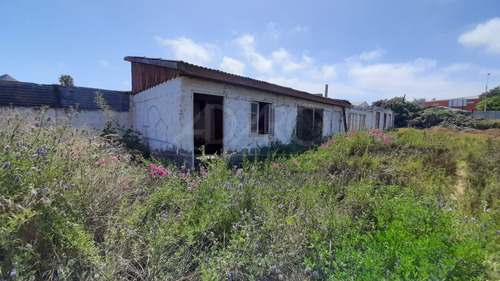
362, 116
180, 108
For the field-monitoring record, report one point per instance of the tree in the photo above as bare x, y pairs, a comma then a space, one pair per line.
403, 111
493, 104
491, 93
66, 80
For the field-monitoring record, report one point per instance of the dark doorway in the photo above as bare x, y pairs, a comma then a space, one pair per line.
309, 128
208, 123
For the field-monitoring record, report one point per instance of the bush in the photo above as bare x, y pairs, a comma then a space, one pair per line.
431, 117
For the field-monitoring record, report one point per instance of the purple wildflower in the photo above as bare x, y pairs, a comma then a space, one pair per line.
37, 124
228, 275
6, 165
49, 118
43, 190
13, 273
315, 273
320, 249
29, 246
17, 179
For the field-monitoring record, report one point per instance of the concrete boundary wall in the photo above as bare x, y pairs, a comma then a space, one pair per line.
92, 119
487, 114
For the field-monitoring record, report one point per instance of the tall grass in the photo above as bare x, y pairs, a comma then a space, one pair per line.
366, 205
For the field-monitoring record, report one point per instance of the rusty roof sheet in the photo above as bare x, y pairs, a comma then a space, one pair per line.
194, 71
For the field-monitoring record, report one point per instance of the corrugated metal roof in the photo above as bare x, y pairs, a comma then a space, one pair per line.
7, 77
31, 94
194, 71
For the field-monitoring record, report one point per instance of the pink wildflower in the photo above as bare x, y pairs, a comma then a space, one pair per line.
295, 161
353, 133
183, 176
113, 158
195, 184
238, 171
276, 165
183, 168
345, 136
102, 161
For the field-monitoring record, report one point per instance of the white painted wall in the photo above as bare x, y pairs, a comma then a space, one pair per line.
156, 113
164, 115
92, 119
370, 121
237, 103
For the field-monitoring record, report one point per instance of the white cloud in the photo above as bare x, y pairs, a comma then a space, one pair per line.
185, 49
354, 78
258, 61
299, 29
386, 75
419, 78
324, 74
232, 66
456, 67
484, 35
272, 32
375, 54
288, 63
103, 63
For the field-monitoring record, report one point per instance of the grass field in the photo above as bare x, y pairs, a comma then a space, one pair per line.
367, 205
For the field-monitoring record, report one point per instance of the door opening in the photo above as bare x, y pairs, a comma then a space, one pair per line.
208, 123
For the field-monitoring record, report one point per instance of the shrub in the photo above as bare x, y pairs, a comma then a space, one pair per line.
431, 117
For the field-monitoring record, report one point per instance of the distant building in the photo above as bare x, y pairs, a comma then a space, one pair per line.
465, 103
7, 77
362, 116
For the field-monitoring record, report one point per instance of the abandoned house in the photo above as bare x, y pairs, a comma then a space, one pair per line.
180, 108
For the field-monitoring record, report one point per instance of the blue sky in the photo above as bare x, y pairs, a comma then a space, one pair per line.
365, 50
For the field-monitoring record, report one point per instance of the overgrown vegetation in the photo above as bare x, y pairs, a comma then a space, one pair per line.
412, 114
410, 205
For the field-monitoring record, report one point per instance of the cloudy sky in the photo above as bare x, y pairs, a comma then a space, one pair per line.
364, 49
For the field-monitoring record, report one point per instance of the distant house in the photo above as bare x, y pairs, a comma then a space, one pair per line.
361, 116
360, 105
465, 103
